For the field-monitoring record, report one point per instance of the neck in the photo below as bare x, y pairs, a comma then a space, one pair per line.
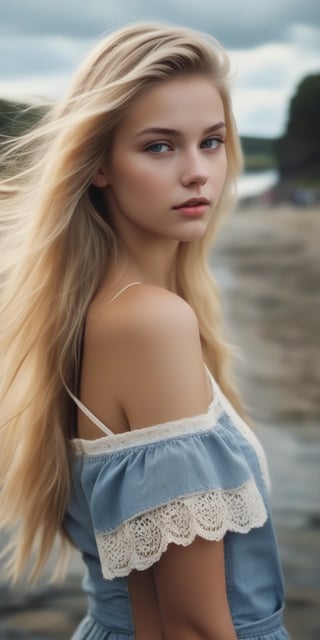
148, 258
154, 263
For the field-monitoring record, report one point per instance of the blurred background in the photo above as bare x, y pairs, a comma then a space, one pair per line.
266, 259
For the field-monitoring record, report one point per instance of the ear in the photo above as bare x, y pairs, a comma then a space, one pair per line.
100, 179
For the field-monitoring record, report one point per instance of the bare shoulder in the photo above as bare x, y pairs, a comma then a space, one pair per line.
146, 307
146, 310
151, 343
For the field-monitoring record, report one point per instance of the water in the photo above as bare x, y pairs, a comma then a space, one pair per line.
251, 184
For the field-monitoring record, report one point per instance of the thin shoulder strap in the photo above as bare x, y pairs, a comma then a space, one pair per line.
131, 284
90, 415
78, 402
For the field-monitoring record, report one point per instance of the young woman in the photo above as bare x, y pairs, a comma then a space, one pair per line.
108, 306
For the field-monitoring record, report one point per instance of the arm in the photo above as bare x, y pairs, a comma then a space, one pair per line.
160, 365
191, 590
145, 607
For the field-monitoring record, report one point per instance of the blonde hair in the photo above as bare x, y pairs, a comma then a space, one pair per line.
57, 246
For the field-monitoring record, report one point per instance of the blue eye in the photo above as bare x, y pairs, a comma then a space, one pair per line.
158, 147
211, 143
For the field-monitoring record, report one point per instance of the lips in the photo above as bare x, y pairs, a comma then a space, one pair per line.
192, 202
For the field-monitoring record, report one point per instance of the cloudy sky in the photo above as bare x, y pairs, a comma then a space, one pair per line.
272, 44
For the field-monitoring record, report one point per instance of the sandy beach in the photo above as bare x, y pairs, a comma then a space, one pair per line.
267, 264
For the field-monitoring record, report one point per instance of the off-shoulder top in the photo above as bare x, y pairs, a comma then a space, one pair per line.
134, 493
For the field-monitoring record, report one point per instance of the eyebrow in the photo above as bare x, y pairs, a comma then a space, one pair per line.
175, 132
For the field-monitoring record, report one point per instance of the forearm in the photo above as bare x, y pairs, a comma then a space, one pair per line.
191, 593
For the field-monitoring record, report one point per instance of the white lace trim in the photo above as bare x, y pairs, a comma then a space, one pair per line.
140, 542
153, 434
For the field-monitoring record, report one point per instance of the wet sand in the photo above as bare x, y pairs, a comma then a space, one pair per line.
268, 266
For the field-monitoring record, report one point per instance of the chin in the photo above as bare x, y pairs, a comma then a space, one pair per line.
193, 232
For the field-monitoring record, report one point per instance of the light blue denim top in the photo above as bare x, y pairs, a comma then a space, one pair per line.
134, 493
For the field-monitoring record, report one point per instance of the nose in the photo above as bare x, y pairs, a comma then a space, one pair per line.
194, 170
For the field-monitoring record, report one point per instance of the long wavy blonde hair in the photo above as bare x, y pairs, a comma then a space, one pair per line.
56, 246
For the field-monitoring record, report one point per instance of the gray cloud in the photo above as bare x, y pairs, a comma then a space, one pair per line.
237, 23
38, 54
272, 44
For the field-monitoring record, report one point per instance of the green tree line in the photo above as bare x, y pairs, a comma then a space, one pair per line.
298, 150
16, 117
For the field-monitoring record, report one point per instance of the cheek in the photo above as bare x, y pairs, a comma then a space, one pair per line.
135, 191
132, 170
221, 169
140, 177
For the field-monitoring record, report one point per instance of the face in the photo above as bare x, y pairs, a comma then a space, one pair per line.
168, 162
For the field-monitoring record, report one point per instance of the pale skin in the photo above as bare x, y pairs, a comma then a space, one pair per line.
144, 347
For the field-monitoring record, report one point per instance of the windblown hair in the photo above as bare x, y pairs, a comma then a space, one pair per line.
57, 245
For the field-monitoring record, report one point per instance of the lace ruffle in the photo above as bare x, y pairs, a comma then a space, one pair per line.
141, 541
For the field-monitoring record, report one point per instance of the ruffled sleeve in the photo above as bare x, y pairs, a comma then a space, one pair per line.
170, 483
